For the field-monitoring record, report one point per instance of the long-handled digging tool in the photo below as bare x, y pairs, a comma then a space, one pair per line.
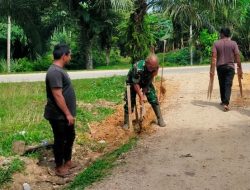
162, 89
211, 83
240, 85
139, 117
210, 88
129, 109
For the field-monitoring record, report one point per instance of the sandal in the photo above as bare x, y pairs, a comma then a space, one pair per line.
226, 108
62, 174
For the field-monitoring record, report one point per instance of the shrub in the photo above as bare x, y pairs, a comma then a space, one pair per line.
99, 58
3, 66
42, 63
21, 65
206, 40
177, 57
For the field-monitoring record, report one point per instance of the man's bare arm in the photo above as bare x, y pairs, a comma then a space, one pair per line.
60, 101
139, 92
239, 67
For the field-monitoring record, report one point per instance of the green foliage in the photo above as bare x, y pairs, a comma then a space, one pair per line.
26, 65
42, 63
100, 168
179, 57
6, 172
3, 66
116, 60
206, 40
98, 57
139, 39
17, 33
21, 65
160, 26
63, 36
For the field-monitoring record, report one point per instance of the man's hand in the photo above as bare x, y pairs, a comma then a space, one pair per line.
70, 119
142, 99
57, 93
211, 74
240, 73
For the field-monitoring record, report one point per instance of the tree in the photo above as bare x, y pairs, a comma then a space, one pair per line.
191, 13
93, 17
30, 16
139, 39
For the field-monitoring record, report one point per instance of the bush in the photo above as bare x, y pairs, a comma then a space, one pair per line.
21, 65
206, 40
26, 65
99, 58
177, 57
43, 63
3, 66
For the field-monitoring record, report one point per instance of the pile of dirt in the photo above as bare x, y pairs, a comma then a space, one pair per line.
104, 137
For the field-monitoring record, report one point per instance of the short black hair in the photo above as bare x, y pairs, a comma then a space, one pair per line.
226, 32
60, 50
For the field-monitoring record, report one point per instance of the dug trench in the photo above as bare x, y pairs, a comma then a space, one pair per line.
102, 138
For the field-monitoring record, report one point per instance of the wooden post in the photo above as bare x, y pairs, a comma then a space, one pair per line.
8, 43
191, 44
129, 107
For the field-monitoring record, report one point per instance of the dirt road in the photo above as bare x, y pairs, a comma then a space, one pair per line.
202, 147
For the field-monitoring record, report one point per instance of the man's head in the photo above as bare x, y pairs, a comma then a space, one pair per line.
225, 33
152, 63
62, 53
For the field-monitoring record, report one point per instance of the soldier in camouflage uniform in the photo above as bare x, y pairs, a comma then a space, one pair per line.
140, 77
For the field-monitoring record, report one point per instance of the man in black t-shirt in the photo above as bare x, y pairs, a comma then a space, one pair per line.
60, 109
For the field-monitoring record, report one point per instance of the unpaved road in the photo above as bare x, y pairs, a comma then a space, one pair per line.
203, 148
33, 77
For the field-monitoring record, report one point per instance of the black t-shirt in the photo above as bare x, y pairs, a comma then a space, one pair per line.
57, 78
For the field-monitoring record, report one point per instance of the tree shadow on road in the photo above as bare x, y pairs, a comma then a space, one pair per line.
202, 103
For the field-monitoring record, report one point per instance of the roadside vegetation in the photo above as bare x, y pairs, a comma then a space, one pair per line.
114, 34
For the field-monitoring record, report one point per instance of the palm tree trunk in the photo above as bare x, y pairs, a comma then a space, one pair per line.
8, 43
88, 58
108, 56
191, 44
86, 48
182, 42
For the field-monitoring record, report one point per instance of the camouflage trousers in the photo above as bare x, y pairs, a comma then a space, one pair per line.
150, 94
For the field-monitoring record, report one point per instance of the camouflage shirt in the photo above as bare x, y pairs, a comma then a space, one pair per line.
138, 74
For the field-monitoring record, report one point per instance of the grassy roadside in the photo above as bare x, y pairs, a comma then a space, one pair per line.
22, 105
6, 171
100, 168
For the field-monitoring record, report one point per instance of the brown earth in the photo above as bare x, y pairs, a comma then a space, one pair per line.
103, 137
202, 148
237, 100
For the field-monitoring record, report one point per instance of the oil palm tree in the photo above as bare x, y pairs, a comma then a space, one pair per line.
93, 16
193, 13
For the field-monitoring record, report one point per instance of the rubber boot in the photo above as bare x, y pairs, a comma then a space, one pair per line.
125, 125
157, 111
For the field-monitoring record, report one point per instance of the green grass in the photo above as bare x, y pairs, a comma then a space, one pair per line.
22, 106
100, 168
6, 172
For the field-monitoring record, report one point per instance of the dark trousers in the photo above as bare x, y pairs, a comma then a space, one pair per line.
225, 76
64, 136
